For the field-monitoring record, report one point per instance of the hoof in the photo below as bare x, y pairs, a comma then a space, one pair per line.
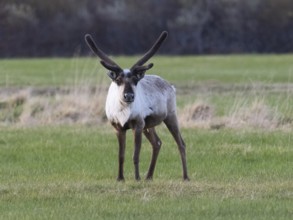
120, 179
149, 178
186, 178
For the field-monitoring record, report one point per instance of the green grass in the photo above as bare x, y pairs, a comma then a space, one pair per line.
69, 173
188, 70
45, 72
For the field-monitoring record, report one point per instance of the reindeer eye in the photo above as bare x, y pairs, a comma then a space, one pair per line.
135, 80
118, 81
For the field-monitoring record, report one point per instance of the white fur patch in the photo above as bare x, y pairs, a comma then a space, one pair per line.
126, 71
115, 111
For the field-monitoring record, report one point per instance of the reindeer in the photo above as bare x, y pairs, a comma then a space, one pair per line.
140, 102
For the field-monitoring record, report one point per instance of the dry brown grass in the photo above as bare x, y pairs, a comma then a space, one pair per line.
257, 114
197, 114
242, 114
85, 105
53, 106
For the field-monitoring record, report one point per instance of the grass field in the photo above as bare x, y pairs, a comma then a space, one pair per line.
236, 114
186, 70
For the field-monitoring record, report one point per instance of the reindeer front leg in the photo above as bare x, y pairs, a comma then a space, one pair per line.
121, 136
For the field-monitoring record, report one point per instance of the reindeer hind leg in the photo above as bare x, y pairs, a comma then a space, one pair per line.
172, 124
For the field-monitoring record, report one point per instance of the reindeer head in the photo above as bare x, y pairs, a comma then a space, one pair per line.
126, 79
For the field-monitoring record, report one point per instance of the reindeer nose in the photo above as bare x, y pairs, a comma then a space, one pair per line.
129, 97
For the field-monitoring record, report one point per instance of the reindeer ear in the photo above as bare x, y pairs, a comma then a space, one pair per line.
139, 75
139, 71
112, 75
149, 66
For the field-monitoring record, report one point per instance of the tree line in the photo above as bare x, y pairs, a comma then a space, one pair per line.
34, 28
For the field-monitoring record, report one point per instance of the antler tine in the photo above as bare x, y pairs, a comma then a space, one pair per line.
91, 43
151, 51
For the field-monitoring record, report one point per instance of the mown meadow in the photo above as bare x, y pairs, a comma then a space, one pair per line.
58, 154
